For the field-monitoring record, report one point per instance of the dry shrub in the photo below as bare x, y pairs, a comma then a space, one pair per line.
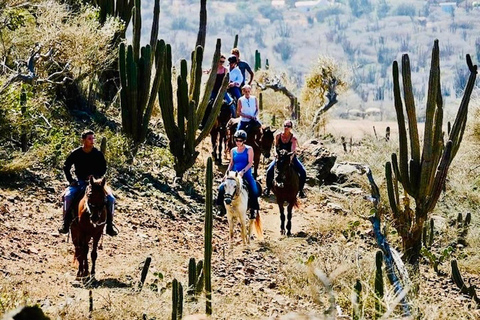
323, 73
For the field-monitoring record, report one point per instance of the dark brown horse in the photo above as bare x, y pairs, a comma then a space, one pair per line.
259, 138
218, 134
285, 188
90, 219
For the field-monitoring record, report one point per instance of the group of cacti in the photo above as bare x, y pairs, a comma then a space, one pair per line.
422, 174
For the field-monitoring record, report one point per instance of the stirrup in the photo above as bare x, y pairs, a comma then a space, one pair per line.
253, 214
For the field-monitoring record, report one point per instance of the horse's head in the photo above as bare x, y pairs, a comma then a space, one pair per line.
267, 141
96, 201
224, 115
233, 186
281, 167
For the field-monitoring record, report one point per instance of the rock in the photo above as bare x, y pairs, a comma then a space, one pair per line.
318, 162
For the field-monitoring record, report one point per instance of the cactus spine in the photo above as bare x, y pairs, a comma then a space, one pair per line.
138, 93
177, 300
207, 270
423, 175
378, 285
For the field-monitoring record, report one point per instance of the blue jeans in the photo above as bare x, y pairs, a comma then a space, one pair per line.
72, 192
297, 165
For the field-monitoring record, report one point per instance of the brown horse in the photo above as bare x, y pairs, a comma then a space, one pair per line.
218, 134
285, 188
259, 138
90, 219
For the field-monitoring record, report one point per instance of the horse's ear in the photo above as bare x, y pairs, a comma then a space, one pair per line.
104, 180
90, 180
236, 174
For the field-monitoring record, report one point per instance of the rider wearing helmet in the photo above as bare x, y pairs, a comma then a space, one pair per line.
236, 77
287, 141
241, 161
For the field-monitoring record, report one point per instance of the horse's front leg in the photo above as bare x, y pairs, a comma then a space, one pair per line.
289, 219
282, 219
230, 228
94, 254
85, 259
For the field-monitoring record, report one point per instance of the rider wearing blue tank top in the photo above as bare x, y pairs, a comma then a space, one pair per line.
242, 162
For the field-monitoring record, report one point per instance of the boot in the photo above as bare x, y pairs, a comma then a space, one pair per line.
110, 226
67, 220
266, 192
221, 210
253, 214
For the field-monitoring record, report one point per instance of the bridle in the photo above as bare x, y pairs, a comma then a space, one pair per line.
235, 190
94, 208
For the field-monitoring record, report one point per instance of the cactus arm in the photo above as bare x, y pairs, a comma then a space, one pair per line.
439, 181
391, 191
458, 128
137, 29
123, 90
379, 285
174, 299
410, 108
155, 24
155, 87
208, 236
235, 41
202, 28
210, 82
427, 164
200, 277
402, 132
192, 275
196, 75
397, 175
132, 88
192, 126
217, 104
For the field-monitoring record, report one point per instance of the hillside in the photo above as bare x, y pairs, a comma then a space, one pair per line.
364, 37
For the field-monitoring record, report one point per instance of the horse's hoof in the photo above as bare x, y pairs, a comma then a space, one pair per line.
282, 232
289, 234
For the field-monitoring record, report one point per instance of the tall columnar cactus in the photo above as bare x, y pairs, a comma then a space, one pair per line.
235, 41
115, 8
378, 285
258, 60
177, 300
207, 270
195, 277
182, 132
422, 174
136, 67
357, 301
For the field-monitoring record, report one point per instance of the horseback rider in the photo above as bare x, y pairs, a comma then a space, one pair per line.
241, 162
88, 161
287, 141
236, 78
247, 109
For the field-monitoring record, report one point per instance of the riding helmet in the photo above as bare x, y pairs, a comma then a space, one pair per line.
232, 59
240, 134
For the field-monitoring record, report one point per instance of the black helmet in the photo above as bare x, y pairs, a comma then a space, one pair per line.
232, 59
240, 134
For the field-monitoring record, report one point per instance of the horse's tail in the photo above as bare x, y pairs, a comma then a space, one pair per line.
296, 204
258, 226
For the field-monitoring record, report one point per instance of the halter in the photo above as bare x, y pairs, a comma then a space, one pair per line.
235, 191
98, 208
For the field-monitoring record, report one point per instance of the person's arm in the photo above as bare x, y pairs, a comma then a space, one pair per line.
230, 164
294, 147
67, 167
239, 108
251, 74
277, 139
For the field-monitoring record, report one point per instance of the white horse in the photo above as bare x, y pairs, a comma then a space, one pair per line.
236, 203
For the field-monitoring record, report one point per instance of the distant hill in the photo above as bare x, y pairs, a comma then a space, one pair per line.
365, 35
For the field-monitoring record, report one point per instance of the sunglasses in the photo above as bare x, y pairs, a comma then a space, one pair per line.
287, 126
239, 140
222, 61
